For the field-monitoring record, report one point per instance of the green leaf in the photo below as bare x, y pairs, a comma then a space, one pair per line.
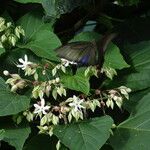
56, 8
86, 36
113, 58
39, 38
43, 44
87, 135
77, 82
2, 132
2, 50
135, 81
137, 78
32, 22
134, 99
11, 103
16, 136
28, 1
135, 131
139, 55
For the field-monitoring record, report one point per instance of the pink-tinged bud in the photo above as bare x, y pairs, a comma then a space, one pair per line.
97, 91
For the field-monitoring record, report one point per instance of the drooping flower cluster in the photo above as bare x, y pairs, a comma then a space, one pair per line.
9, 35
45, 92
15, 81
115, 96
54, 86
109, 72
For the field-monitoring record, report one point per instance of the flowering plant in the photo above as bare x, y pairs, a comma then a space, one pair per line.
45, 93
65, 84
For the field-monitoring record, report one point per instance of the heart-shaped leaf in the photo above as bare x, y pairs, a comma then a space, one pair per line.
87, 135
77, 82
134, 133
113, 58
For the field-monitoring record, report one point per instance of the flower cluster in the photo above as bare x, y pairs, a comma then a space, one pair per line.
9, 34
117, 96
47, 87
45, 94
109, 72
15, 81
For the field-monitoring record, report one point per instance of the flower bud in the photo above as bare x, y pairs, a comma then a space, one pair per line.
9, 24
12, 39
57, 80
14, 88
47, 90
3, 38
17, 32
2, 21
97, 91
6, 73
2, 24
21, 84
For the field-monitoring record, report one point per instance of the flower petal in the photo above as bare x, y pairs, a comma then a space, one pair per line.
25, 58
21, 60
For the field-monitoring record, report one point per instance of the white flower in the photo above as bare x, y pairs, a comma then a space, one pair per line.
76, 103
41, 108
24, 62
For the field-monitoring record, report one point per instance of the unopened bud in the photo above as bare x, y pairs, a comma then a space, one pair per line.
97, 92
3, 38
9, 24
6, 73
12, 39
14, 88
57, 80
